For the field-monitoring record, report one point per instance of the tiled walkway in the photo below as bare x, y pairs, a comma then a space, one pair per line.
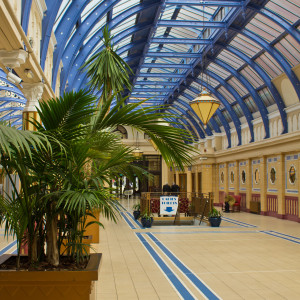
248, 257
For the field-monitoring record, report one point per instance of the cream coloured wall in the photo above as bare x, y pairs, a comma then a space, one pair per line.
17, 7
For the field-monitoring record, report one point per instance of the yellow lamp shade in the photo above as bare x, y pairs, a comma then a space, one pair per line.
205, 105
137, 152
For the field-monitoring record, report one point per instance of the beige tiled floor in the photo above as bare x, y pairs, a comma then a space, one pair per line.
234, 261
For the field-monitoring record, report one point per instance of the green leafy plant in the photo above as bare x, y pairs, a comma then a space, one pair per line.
137, 206
107, 70
214, 213
147, 215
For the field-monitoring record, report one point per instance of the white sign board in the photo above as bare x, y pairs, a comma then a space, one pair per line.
168, 205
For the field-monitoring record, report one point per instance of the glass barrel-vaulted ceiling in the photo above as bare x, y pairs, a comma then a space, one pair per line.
12, 102
235, 48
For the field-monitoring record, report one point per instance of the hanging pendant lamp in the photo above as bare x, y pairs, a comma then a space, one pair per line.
205, 105
137, 152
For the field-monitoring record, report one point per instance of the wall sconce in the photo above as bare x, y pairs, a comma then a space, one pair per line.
28, 73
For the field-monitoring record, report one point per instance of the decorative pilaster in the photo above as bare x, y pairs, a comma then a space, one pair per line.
226, 178
281, 186
249, 179
177, 176
33, 93
264, 185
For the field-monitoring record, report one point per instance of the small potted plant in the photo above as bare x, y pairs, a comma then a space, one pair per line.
147, 219
136, 210
214, 218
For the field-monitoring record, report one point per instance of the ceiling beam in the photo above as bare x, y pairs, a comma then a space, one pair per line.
161, 75
173, 54
223, 3
181, 41
146, 82
176, 66
146, 90
197, 24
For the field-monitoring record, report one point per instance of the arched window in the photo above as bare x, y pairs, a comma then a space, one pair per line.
121, 129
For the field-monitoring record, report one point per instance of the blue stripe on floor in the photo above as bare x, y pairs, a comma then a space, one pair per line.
209, 294
279, 236
135, 221
291, 236
199, 232
127, 221
2, 251
178, 285
238, 222
122, 206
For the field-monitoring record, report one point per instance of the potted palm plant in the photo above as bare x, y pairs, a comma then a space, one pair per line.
64, 170
136, 210
214, 217
147, 219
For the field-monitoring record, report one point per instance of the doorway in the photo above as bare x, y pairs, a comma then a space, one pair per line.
182, 183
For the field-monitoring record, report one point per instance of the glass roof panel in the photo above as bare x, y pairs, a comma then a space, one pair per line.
269, 65
97, 27
189, 92
228, 96
238, 86
217, 119
230, 59
265, 28
63, 7
266, 96
128, 22
227, 116
289, 47
208, 79
218, 70
123, 5
251, 104
245, 45
288, 9
89, 8
236, 107
252, 76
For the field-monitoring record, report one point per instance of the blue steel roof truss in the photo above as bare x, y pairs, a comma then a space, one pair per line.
170, 44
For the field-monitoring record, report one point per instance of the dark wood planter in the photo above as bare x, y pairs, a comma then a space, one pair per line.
147, 222
49, 285
215, 222
136, 214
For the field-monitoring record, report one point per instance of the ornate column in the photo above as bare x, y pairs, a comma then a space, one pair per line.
33, 93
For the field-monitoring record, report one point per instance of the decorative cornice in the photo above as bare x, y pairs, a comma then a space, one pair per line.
13, 59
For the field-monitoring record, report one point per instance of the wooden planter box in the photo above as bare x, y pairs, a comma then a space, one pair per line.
50, 285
